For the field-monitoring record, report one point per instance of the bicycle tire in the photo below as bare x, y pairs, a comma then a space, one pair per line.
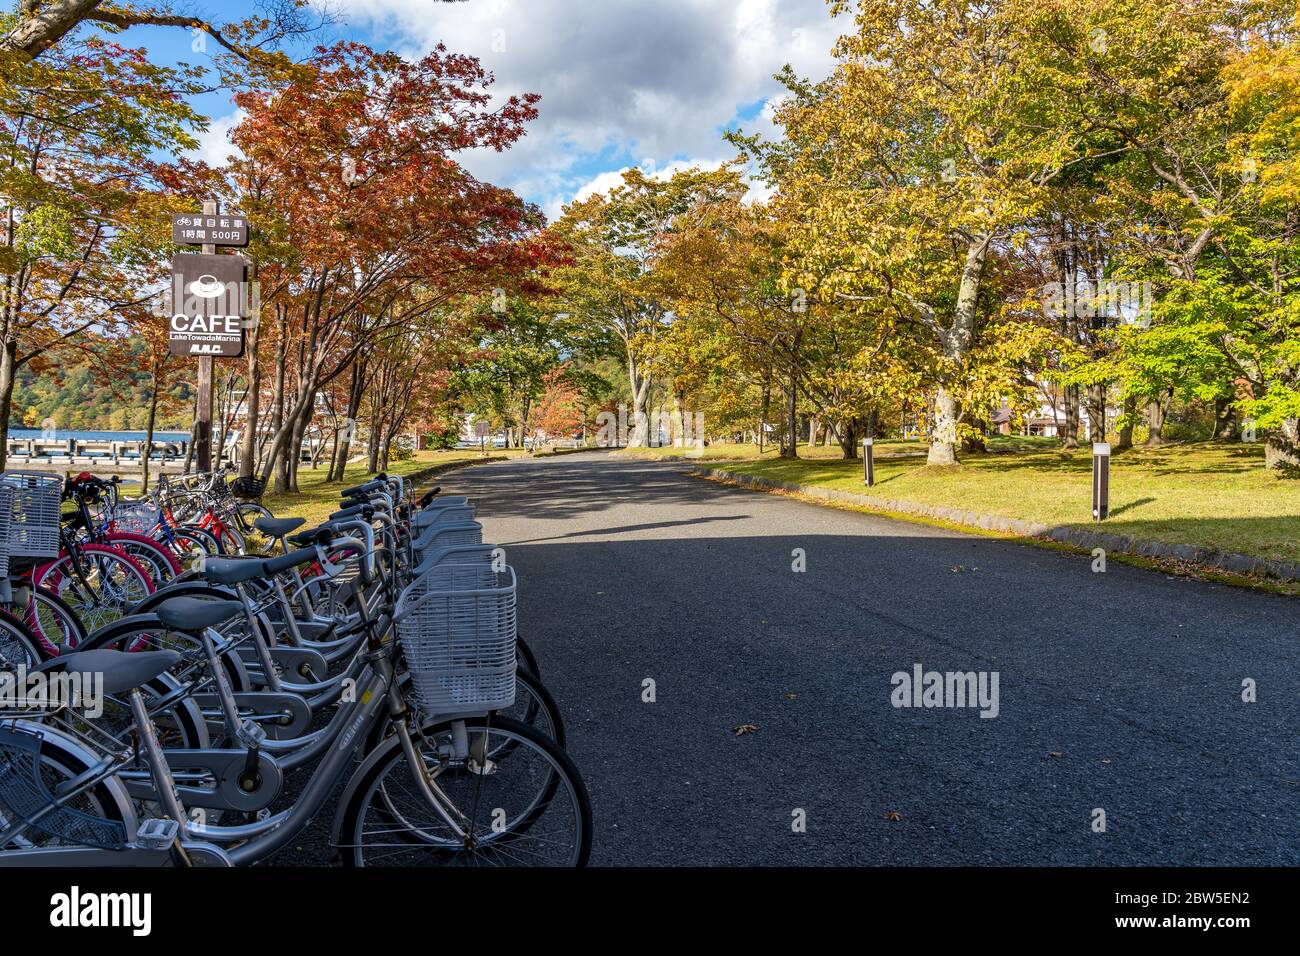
18, 645
73, 631
348, 830
52, 574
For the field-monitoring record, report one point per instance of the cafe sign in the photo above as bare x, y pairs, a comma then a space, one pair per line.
209, 302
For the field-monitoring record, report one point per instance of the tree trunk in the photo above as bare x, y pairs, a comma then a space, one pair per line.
1071, 397
1282, 446
943, 443
277, 402
301, 420
148, 435
194, 434
8, 378
1155, 422
41, 27
355, 388
790, 434
1225, 419
1126, 431
248, 441
957, 340
1096, 413
847, 433
640, 392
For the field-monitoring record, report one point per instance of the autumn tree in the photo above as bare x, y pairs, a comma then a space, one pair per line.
930, 148
560, 409
84, 199
353, 164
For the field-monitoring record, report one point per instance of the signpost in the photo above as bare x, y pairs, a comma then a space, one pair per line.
1100, 481
481, 430
208, 305
869, 461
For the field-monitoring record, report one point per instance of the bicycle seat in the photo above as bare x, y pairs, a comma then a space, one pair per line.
233, 570
321, 535
119, 670
192, 614
278, 527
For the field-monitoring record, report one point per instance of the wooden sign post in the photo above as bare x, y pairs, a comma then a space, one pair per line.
203, 426
208, 307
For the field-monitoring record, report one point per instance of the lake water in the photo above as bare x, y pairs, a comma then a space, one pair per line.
63, 435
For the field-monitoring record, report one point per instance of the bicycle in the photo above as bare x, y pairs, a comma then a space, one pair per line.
450, 781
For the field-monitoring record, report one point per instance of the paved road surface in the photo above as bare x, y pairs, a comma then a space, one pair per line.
1119, 691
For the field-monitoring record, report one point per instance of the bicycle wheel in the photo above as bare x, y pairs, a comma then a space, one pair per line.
18, 646
151, 555
527, 659
229, 539
100, 583
53, 622
191, 543
530, 810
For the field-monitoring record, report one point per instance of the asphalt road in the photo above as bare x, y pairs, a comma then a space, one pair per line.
1120, 691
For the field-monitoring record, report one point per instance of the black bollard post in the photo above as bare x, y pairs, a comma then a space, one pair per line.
1100, 481
868, 461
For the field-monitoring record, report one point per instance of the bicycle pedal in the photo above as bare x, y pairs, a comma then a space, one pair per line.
157, 833
250, 734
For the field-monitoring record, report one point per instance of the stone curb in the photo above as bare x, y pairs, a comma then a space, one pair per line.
1076, 537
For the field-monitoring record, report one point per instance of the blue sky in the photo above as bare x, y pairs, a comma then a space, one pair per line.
649, 83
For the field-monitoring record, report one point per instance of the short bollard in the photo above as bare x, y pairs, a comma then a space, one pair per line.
869, 461
1100, 481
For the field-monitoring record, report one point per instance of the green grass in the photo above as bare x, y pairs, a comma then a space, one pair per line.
1206, 495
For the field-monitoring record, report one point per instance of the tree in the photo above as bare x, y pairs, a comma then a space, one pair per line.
83, 198
923, 157
608, 283
560, 410
38, 25
353, 164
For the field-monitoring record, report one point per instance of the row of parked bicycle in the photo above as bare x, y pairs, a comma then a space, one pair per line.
216, 648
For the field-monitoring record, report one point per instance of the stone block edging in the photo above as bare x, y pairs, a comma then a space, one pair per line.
1064, 534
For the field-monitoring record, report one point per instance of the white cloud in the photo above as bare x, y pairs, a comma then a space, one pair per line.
651, 79
214, 143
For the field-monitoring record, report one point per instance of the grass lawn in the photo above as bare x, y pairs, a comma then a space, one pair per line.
1207, 495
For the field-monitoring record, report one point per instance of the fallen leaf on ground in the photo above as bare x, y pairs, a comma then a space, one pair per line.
744, 729
893, 815
1055, 753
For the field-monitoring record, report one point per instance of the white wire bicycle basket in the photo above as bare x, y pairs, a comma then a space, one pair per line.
457, 627
446, 536
29, 516
138, 517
